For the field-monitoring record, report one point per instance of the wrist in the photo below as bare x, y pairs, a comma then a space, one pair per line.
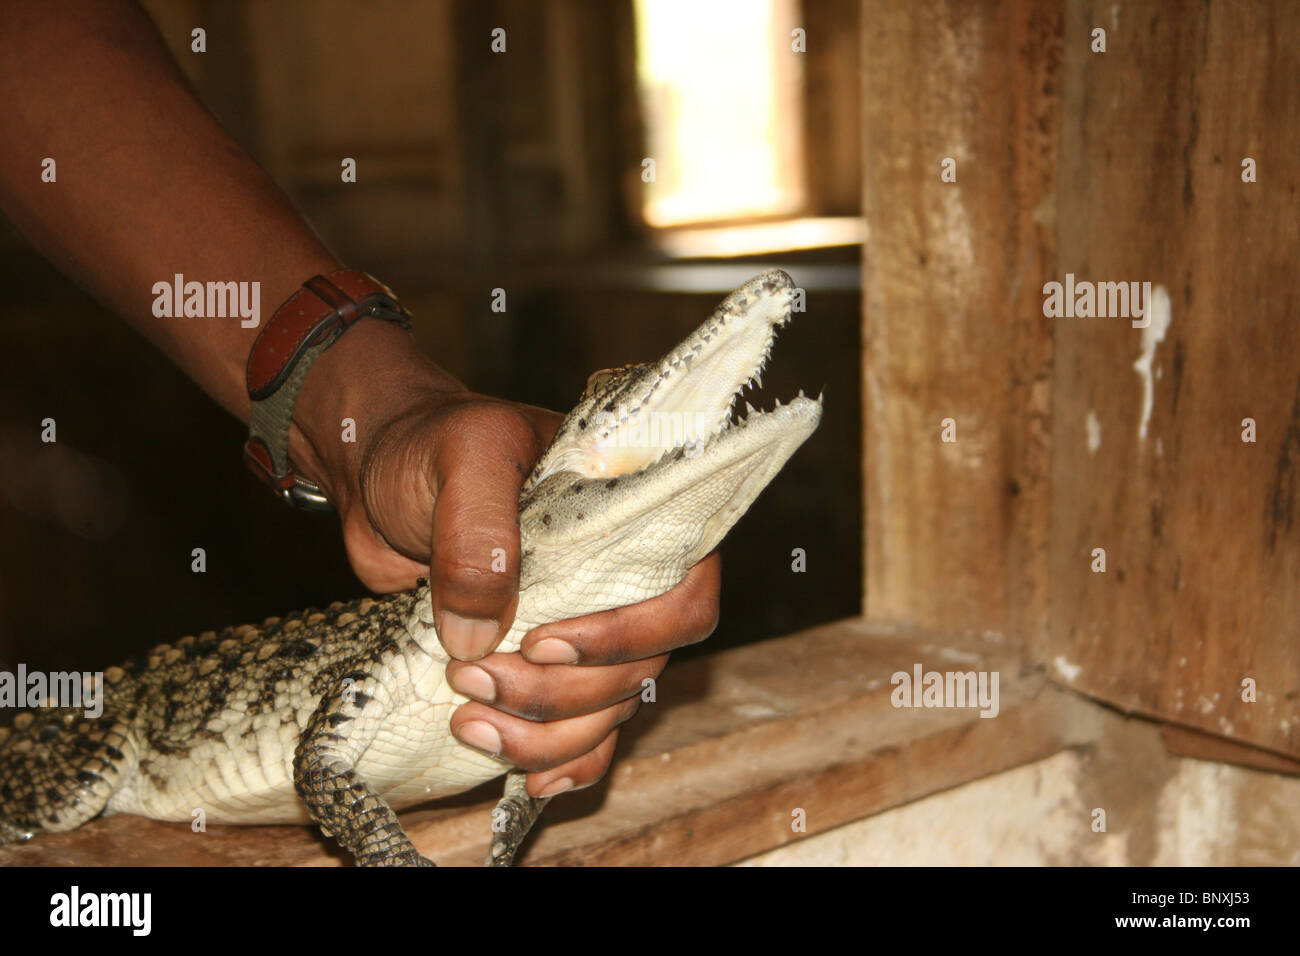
371, 377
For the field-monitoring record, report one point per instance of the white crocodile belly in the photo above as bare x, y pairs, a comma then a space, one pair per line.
245, 778
415, 758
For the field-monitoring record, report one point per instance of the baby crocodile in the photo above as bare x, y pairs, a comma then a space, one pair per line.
342, 716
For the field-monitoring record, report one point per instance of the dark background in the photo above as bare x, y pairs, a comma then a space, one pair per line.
475, 172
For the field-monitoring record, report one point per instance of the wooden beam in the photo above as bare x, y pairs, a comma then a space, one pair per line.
953, 326
1203, 746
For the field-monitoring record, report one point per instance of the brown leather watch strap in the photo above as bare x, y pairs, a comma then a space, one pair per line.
308, 323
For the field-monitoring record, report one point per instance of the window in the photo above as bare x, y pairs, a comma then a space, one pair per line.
721, 95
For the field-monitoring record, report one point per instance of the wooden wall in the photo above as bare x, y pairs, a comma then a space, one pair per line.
1117, 166
1202, 543
452, 140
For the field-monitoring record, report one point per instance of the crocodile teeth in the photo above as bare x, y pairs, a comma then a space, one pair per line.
750, 409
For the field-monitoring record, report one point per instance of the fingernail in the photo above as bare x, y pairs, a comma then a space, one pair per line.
466, 638
473, 682
562, 785
482, 736
552, 651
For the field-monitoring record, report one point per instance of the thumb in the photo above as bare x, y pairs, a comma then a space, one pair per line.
474, 575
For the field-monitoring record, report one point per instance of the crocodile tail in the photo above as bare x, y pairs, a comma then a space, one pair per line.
58, 769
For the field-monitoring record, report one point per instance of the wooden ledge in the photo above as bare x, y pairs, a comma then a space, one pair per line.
711, 773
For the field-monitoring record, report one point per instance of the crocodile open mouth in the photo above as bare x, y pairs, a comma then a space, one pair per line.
687, 400
658, 450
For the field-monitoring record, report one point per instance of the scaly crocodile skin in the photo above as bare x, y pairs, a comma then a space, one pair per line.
341, 715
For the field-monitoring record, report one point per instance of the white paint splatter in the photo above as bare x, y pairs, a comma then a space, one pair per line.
1094, 432
755, 711
1159, 314
1067, 670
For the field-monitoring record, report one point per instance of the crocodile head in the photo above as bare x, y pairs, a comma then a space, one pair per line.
649, 471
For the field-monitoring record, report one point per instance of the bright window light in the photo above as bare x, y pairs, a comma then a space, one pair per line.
720, 94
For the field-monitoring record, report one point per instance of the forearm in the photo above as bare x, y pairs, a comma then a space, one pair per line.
148, 186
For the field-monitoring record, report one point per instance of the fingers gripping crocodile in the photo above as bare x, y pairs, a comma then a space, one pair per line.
341, 716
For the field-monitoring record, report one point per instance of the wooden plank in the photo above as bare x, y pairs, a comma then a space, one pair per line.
709, 774
1199, 528
953, 324
1202, 746
865, 780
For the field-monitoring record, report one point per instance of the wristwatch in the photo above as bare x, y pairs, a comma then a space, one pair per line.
308, 323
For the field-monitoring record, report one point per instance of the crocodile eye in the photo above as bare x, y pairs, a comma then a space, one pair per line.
597, 379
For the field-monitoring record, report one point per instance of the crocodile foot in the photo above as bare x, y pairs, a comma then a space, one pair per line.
403, 857
513, 817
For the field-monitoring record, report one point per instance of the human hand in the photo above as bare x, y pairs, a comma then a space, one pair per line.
431, 489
